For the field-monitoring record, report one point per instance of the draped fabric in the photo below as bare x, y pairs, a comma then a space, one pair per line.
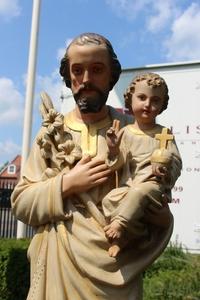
68, 254
139, 187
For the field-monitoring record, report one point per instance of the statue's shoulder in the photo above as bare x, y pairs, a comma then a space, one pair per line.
124, 119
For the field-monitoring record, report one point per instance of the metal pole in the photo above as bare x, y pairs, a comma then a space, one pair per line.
29, 94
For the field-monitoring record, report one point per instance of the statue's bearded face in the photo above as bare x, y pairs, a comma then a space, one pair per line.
90, 103
90, 75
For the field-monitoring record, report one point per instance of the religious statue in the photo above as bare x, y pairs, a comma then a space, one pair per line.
64, 181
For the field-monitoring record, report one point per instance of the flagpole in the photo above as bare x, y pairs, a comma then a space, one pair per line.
27, 130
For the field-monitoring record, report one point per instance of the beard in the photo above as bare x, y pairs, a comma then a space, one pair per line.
90, 104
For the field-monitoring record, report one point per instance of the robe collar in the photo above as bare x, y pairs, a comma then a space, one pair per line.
89, 132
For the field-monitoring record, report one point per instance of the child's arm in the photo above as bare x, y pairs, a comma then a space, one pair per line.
166, 161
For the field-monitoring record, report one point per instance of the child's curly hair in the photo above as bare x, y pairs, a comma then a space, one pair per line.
154, 80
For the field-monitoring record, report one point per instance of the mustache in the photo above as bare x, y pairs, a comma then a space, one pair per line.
90, 104
86, 87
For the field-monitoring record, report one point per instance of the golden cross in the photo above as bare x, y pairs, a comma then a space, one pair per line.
164, 137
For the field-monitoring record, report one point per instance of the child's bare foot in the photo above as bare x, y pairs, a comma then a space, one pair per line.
118, 245
114, 249
113, 230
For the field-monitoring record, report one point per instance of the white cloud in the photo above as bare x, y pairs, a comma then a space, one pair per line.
61, 51
9, 9
131, 9
127, 8
163, 12
52, 85
184, 43
156, 14
8, 147
11, 102
8, 150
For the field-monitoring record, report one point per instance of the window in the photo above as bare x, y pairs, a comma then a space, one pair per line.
11, 169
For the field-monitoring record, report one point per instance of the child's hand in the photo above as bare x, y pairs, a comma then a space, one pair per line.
159, 169
113, 138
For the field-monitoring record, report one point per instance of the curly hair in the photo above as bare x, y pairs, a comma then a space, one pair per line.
91, 39
154, 80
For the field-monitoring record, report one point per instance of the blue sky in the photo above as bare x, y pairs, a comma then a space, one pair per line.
142, 32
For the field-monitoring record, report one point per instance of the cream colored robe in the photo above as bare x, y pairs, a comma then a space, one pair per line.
139, 188
68, 254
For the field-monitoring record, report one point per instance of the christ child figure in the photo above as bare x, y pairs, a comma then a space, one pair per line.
147, 152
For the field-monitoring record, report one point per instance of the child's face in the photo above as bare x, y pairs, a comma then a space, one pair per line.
147, 102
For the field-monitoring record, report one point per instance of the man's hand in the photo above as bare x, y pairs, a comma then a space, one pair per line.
87, 174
